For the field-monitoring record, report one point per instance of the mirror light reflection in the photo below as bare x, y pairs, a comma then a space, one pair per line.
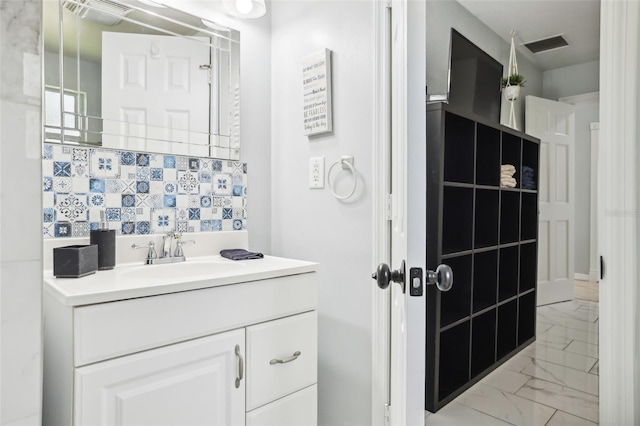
126, 75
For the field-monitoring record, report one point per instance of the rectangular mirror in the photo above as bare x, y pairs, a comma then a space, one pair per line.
136, 75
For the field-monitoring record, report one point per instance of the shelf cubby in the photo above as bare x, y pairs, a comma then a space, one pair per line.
526, 317
528, 266
530, 160
529, 216
454, 359
508, 273
487, 208
509, 216
507, 327
455, 304
487, 156
511, 153
457, 219
459, 150
485, 279
483, 348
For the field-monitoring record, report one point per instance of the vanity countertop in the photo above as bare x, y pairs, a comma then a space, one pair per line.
137, 280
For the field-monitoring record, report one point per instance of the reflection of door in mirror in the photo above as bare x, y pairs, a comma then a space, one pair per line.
155, 93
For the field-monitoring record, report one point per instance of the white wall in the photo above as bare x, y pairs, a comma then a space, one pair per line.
20, 213
255, 111
442, 15
571, 81
312, 224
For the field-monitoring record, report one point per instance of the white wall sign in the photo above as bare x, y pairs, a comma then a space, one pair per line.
316, 83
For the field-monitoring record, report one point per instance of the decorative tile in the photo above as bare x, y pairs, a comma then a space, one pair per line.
47, 184
113, 214
194, 164
222, 184
72, 207
127, 158
62, 169
142, 159
187, 183
80, 229
62, 230
142, 187
141, 193
169, 162
49, 215
143, 228
156, 174
182, 163
128, 228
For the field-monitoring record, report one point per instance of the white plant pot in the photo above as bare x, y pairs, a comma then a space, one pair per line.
511, 92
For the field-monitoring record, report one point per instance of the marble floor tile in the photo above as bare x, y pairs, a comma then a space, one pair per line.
455, 414
542, 326
560, 418
591, 313
553, 341
567, 359
572, 333
508, 407
595, 369
505, 380
517, 363
579, 322
562, 398
575, 379
582, 348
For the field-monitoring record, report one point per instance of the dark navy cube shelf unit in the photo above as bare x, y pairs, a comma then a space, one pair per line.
488, 235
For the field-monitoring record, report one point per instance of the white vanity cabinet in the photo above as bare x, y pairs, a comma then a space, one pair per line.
233, 354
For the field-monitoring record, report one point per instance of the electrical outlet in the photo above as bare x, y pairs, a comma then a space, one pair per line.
316, 172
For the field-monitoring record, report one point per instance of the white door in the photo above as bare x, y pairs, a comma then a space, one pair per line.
402, 129
192, 383
553, 123
153, 87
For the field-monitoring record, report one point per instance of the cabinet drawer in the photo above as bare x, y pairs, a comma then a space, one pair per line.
114, 329
297, 409
273, 369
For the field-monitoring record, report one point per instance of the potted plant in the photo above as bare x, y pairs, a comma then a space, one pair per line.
511, 86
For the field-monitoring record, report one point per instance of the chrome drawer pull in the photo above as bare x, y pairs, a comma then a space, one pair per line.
240, 367
295, 356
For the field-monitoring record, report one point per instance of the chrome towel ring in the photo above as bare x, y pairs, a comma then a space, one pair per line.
346, 161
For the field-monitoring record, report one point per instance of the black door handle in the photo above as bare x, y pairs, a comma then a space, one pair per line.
601, 267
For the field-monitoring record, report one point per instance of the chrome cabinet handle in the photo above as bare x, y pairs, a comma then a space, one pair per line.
240, 366
442, 277
293, 357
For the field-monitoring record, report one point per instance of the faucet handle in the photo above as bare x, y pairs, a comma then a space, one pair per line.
150, 245
179, 252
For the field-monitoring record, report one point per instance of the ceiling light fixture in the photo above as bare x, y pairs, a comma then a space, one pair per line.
248, 9
152, 3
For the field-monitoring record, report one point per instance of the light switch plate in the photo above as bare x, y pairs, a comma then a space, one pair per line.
316, 172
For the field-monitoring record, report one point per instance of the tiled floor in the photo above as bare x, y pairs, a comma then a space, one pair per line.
552, 382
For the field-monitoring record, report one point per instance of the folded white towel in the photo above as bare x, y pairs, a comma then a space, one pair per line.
506, 174
508, 168
508, 184
508, 179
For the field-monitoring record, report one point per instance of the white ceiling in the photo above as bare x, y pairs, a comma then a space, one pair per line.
578, 21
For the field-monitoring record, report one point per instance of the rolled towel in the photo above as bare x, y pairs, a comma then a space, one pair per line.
240, 254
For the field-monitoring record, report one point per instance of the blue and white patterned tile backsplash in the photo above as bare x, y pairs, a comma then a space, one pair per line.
140, 193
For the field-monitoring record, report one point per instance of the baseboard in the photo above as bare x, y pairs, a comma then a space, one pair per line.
593, 275
582, 277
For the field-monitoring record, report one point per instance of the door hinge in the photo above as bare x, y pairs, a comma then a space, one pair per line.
387, 414
389, 207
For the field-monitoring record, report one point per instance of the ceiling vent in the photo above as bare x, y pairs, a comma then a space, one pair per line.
547, 44
104, 12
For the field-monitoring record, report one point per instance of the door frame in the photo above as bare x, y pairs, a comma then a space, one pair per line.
409, 109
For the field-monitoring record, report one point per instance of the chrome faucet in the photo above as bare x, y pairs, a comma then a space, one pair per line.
168, 254
167, 244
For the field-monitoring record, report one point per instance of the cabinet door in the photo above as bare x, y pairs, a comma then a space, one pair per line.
191, 383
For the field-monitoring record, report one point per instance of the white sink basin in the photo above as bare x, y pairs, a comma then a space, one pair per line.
186, 270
